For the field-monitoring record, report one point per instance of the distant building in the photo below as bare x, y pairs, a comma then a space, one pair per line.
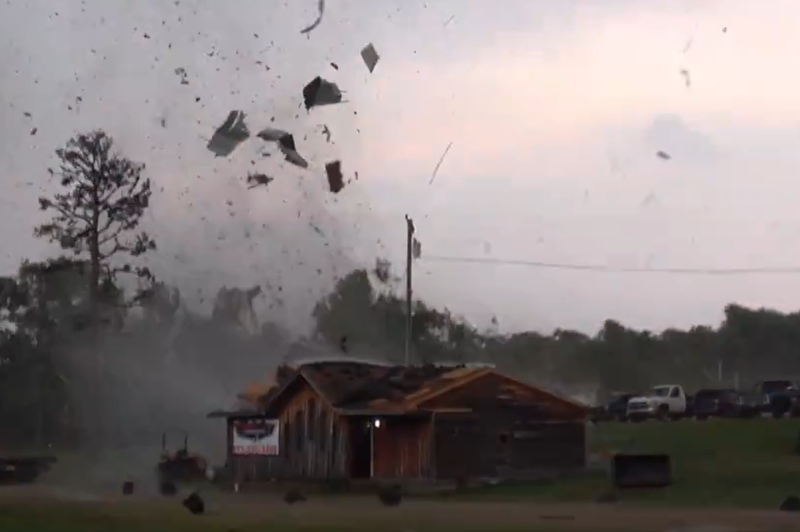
355, 420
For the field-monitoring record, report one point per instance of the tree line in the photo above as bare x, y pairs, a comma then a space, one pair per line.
76, 333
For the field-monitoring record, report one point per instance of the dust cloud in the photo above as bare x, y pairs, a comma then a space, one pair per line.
159, 77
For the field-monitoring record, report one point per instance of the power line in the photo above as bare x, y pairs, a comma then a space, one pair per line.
598, 268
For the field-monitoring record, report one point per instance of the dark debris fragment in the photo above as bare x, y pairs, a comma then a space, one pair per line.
195, 504
370, 57
321, 11
229, 135
663, 155
257, 180
321, 92
335, 177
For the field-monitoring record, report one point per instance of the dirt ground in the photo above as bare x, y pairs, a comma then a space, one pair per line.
363, 512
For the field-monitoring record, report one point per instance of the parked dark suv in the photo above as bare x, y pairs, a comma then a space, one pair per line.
722, 403
779, 397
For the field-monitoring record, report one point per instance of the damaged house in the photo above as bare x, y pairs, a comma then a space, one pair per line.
351, 420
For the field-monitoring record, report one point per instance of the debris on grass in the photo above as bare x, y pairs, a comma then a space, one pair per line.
294, 496
195, 504
321, 92
321, 11
335, 178
790, 504
167, 488
370, 57
229, 135
391, 495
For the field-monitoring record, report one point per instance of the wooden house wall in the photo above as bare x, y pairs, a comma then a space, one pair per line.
495, 390
402, 448
506, 444
314, 442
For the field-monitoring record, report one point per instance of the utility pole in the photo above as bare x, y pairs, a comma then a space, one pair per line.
409, 260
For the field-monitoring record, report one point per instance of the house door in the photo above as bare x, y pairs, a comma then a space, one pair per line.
360, 448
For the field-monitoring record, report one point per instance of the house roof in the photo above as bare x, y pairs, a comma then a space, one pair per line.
360, 387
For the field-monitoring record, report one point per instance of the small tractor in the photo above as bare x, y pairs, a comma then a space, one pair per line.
181, 465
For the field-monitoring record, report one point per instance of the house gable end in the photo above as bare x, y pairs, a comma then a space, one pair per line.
494, 390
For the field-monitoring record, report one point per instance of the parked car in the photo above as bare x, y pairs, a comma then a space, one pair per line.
617, 407
666, 401
778, 397
722, 403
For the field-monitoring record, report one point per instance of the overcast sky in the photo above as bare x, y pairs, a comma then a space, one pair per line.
556, 111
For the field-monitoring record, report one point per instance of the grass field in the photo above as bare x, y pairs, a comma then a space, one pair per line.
747, 466
741, 463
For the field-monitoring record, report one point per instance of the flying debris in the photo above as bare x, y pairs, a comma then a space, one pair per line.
370, 57
273, 135
335, 177
285, 143
416, 248
257, 180
229, 135
321, 92
321, 11
180, 71
687, 79
664, 155
291, 155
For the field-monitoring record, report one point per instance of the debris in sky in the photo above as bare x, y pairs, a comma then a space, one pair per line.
229, 135
370, 57
725, 29
286, 146
258, 180
335, 177
321, 11
688, 44
26, 114
327, 133
664, 155
687, 79
34, 130
184, 76
271, 134
321, 92
335, 66
448, 21
416, 248
440, 163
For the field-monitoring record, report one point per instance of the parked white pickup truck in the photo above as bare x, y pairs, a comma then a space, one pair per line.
667, 401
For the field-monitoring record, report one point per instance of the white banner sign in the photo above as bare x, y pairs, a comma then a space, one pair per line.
256, 436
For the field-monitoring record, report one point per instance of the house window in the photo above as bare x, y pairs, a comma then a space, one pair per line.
298, 430
323, 430
311, 420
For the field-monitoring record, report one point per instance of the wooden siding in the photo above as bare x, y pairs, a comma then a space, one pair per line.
314, 442
402, 448
494, 390
506, 444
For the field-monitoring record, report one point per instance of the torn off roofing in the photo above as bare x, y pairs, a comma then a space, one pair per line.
321, 92
229, 135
